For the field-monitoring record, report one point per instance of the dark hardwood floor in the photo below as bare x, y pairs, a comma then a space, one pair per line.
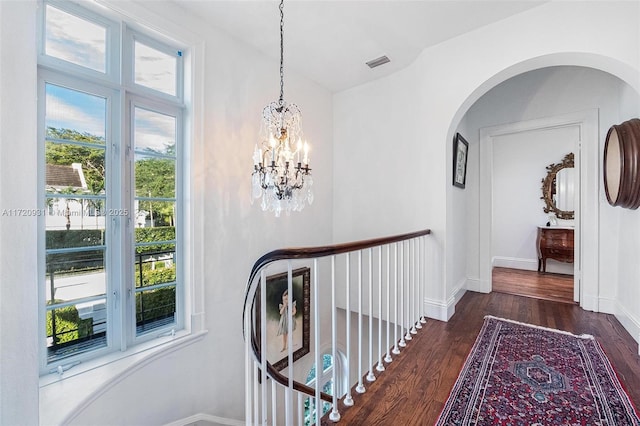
416, 384
540, 285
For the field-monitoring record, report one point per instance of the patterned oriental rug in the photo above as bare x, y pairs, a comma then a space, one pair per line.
521, 374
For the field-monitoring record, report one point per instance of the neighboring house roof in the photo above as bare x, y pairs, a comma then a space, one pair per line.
60, 176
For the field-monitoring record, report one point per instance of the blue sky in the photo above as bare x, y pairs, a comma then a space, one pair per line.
70, 109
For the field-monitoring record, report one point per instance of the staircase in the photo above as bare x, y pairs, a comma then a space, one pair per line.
350, 308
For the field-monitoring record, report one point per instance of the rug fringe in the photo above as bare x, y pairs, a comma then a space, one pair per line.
554, 330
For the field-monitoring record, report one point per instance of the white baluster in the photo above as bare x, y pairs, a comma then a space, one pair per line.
414, 317
256, 386
288, 402
263, 342
274, 403
301, 397
248, 362
316, 320
380, 366
405, 262
360, 388
388, 358
418, 316
423, 243
370, 376
403, 337
348, 399
335, 414
395, 350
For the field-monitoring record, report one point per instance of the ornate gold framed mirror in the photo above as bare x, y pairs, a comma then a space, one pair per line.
558, 188
621, 165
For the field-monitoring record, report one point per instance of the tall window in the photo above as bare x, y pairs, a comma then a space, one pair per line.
110, 173
325, 377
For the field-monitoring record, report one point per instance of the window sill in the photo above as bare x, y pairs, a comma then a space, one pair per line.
62, 396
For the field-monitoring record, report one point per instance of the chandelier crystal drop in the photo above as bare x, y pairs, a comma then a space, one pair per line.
281, 174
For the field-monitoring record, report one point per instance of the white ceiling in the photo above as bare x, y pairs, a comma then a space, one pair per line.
329, 41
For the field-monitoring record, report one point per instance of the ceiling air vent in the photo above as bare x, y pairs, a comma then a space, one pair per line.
378, 61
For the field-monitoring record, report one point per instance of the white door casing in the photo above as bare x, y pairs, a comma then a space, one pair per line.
586, 273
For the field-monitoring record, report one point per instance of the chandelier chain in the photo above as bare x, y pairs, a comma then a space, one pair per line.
281, 52
281, 174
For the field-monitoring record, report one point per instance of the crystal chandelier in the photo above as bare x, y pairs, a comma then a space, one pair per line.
280, 176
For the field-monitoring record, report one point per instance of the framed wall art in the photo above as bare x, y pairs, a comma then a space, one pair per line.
460, 154
277, 316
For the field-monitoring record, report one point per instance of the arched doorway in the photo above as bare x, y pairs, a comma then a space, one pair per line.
589, 161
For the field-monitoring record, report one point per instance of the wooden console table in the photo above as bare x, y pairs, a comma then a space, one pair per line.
554, 243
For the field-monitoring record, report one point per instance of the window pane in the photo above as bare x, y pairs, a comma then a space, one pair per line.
74, 222
75, 329
152, 214
154, 132
155, 265
76, 40
74, 169
155, 69
327, 362
155, 177
75, 276
74, 115
155, 308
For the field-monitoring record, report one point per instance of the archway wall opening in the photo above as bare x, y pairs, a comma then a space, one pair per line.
393, 137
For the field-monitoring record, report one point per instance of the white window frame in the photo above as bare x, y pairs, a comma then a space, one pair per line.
112, 56
326, 376
134, 101
128, 76
119, 160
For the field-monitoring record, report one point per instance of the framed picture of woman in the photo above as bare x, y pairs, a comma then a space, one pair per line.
278, 316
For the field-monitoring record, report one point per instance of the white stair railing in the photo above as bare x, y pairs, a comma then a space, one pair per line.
389, 291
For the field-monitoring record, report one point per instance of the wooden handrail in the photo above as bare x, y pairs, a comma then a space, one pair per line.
305, 253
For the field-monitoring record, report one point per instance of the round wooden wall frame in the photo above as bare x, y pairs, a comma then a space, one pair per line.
621, 164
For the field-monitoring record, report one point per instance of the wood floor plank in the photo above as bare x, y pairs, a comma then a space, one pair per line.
540, 285
415, 386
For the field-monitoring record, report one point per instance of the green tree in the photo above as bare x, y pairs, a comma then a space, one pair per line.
156, 177
92, 160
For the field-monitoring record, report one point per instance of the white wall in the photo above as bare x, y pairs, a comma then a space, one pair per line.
627, 289
425, 104
550, 92
207, 376
390, 164
18, 238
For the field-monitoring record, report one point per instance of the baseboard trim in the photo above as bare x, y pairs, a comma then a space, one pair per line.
515, 263
441, 310
608, 306
201, 417
629, 322
589, 302
475, 284
435, 309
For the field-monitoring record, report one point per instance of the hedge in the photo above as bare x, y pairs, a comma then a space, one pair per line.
155, 304
69, 326
56, 239
74, 238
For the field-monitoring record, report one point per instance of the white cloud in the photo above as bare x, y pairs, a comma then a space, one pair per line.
153, 130
75, 40
155, 69
61, 114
